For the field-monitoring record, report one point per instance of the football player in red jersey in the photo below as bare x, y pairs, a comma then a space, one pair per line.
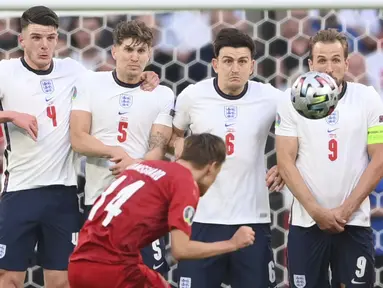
147, 201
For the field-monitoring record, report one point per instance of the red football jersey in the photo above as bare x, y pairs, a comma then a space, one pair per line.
147, 201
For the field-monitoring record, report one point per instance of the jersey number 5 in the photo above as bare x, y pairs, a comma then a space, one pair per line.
113, 208
229, 140
333, 148
51, 113
122, 131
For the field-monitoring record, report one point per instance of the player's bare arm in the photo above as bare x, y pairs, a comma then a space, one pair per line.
287, 149
22, 120
367, 182
184, 248
177, 141
159, 139
87, 145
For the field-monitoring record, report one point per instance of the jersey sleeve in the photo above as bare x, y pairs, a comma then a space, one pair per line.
285, 122
183, 205
4, 72
81, 94
165, 116
182, 109
374, 108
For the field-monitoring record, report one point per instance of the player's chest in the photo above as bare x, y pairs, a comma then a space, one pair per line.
125, 107
347, 122
248, 119
36, 93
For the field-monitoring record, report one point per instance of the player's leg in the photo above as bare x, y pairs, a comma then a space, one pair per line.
154, 256
60, 225
19, 214
254, 266
308, 256
205, 273
353, 258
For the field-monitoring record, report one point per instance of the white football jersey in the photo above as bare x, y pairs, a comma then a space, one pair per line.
239, 195
46, 95
332, 151
122, 115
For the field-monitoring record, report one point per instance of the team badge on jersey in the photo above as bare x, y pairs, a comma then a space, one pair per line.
189, 212
231, 112
47, 86
333, 118
126, 100
300, 281
278, 120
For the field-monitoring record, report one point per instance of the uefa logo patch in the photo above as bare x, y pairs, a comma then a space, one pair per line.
231, 112
47, 86
126, 100
333, 118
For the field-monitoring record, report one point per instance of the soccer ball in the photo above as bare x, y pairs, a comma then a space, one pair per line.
315, 95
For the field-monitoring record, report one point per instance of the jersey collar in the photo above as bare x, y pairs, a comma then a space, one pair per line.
123, 84
38, 72
344, 89
226, 96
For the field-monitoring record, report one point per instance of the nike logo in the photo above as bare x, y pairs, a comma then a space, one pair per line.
229, 124
357, 282
332, 130
122, 113
155, 267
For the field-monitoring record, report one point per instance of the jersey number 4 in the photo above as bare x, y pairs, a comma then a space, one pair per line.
333, 148
113, 208
51, 113
122, 131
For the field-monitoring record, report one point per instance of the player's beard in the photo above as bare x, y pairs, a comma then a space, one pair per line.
338, 81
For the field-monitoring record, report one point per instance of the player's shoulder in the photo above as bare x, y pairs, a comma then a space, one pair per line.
264, 90
200, 87
360, 91
69, 64
163, 92
9, 65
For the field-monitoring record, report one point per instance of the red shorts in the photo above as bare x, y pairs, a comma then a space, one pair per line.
85, 274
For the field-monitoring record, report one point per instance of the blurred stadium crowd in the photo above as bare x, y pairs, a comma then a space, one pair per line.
183, 51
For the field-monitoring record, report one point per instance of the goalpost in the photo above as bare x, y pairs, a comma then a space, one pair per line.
280, 29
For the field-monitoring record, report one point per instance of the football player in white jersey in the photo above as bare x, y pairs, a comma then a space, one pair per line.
111, 110
325, 164
39, 198
241, 112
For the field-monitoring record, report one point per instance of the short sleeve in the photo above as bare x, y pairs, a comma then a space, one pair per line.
285, 122
374, 108
5, 70
81, 94
182, 109
165, 116
183, 204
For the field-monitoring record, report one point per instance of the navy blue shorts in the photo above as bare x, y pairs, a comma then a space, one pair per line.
152, 255
252, 266
350, 255
48, 217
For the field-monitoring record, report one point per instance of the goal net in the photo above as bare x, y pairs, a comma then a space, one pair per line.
182, 55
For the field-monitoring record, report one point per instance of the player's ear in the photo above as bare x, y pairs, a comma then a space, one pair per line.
21, 40
252, 67
114, 52
310, 64
214, 63
347, 63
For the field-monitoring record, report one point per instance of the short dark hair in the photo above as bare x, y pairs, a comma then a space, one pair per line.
203, 149
231, 37
39, 15
328, 36
135, 29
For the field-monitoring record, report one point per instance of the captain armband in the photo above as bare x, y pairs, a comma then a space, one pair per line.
375, 135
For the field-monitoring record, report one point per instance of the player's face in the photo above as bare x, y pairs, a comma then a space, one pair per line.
39, 44
211, 174
329, 58
233, 67
131, 57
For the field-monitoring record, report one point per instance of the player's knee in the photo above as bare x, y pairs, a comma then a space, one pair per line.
56, 279
11, 279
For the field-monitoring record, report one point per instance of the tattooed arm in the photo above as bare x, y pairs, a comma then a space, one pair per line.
158, 141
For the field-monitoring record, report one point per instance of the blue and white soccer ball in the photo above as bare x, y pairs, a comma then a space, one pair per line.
315, 95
